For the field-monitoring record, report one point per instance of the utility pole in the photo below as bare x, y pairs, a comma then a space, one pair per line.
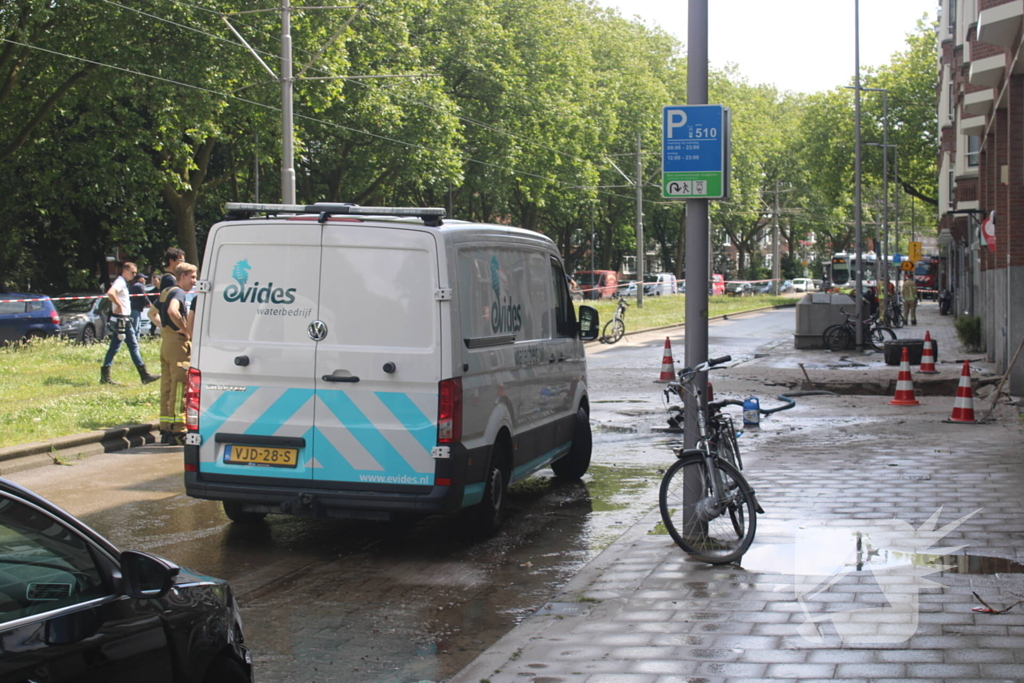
858, 231
639, 224
697, 249
287, 118
776, 251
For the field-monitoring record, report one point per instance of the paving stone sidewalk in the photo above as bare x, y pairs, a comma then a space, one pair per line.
641, 612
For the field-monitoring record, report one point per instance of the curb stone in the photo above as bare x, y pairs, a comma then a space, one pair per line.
51, 451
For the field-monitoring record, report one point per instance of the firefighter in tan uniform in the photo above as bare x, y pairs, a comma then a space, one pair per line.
175, 353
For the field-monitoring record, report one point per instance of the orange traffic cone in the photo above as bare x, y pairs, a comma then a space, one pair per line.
668, 366
904, 385
963, 406
928, 356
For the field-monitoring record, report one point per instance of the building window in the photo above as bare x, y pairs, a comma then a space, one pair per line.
952, 17
973, 150
952, 99
952, 188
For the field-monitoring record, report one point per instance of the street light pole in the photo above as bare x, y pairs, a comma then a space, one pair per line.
287, 119
858, 231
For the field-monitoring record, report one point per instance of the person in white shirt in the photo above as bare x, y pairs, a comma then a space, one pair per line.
121, 329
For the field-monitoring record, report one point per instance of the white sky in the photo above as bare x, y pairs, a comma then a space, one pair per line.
799, 45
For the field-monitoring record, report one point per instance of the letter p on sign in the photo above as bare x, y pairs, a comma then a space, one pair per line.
676, 119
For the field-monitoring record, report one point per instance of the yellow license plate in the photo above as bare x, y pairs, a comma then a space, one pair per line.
263, 456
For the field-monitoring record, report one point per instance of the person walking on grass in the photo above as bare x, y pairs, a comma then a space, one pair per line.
909, 291
121, 329
176, 322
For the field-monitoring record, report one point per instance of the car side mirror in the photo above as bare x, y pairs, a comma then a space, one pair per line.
589, 323
147, 576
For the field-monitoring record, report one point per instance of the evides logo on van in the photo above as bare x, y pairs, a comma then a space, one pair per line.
506, 316
255, 293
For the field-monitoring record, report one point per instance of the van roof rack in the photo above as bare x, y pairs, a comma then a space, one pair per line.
431, 216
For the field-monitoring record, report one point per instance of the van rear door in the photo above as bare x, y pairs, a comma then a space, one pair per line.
257, 358
378, 363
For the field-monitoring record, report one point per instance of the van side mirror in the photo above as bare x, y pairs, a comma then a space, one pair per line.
589, 323
147, 576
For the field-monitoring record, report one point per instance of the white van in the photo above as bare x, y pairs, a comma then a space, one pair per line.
380, 362
660, 283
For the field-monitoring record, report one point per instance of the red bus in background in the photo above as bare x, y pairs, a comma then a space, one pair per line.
926, 276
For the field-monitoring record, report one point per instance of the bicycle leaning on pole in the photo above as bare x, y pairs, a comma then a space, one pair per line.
615, 328
842, 336
707, 506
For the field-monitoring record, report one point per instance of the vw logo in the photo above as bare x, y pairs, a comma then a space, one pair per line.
317, 330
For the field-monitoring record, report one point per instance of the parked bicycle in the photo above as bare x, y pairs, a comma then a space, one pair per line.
707, 506
843, 335
894, 311
615, 328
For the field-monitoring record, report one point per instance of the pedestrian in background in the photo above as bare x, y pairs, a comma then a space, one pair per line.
176, 322
121, 329
909, 291
139, 301
172, 258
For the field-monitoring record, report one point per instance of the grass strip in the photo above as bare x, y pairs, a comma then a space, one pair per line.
51, 387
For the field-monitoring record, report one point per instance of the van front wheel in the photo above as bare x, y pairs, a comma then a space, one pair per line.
233, 509
576, 462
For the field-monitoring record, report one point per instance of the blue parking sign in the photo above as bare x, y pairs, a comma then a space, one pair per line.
694, 151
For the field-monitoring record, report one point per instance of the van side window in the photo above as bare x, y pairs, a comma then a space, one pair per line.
564, 312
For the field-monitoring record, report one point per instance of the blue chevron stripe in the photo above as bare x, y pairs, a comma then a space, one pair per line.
222, 410
283, 409
365, 433
412, 418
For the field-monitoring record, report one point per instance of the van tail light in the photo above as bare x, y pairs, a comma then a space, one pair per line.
192, 390
449, 411
711, 391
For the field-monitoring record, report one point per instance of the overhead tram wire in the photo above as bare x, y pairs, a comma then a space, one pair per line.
358, 81
270, 107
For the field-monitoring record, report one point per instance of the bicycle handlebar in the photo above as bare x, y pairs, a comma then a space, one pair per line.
686, 373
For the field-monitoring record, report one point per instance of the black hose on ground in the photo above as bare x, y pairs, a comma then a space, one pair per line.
788, 398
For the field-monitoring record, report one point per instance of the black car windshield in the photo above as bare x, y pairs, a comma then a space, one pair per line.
74, 305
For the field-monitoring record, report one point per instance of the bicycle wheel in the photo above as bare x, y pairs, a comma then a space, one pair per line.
716, 533
729, 448
828, 331
879, 335
839, 339
613, 331
896, 317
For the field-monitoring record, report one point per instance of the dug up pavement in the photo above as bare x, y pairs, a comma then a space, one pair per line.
841, 584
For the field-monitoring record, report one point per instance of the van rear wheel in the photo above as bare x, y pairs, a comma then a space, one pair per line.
489, 515
577, 461
233, 509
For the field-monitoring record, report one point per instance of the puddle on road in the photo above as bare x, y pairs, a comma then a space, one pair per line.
877, 545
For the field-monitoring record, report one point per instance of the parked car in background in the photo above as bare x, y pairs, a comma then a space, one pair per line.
680, 286
597, 284
629, 289
657, 284
786, 287
761, 287
804, 284
83, 316
717, 284
75, 608
24, 317
736, 288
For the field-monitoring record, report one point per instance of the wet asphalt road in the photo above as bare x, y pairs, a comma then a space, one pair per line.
340, 600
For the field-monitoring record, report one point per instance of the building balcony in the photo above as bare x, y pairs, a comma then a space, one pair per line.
978, 103
999, 25
974, 125
988, 72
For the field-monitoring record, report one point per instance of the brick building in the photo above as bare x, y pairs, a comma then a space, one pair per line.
981, 168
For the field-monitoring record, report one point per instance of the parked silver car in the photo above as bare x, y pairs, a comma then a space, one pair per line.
84, 317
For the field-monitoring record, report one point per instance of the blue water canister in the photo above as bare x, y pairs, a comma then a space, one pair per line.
751, 412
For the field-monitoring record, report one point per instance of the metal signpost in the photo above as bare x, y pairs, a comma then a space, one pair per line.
694, 159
